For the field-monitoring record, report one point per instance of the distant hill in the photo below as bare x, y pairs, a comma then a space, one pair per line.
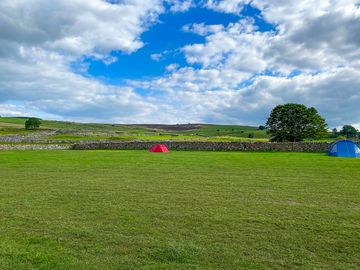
16, 124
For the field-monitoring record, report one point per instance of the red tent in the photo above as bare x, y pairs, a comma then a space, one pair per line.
159, 148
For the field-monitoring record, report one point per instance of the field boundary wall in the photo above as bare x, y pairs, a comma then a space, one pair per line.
210, 146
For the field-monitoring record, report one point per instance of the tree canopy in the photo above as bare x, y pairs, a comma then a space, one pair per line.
295, 122
349, 131
32, 123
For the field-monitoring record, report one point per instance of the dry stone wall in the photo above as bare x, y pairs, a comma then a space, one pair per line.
210, 146
8, 147
32, 137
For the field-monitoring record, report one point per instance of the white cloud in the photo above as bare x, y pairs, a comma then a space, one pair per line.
180, 5
161, 56
229, 6
202, 29
77, 27
193, 80
172, 67
233, 83
312, 35
13, 110
42, 38
53, 88
156, 56
215, 96
238, 46
306, 39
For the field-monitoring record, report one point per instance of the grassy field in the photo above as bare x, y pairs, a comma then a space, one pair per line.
230, 130
19, 124
195, 132
163, 137
182, 210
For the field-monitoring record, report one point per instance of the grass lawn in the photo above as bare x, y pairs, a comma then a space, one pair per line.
182, 210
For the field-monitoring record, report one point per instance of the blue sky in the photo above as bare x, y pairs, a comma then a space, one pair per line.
172, 61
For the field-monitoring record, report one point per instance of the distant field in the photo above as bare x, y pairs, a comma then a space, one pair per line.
231, 130
164, 137
46, 124
194, 132
182, 210
185, 132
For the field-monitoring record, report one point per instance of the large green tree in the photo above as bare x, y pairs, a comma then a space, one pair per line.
295, 122
32, 123
349, 131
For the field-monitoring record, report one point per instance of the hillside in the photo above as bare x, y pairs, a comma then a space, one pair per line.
61, 130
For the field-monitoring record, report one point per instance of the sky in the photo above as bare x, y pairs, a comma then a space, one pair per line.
172, 61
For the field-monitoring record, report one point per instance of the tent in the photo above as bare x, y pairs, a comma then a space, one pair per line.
159, 148
344, 148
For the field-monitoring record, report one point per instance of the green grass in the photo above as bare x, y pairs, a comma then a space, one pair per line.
63, 125
234, 139
14, 120
182, 210
164, 137
123, 137
232, 131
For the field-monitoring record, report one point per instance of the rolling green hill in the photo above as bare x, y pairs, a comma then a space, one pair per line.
71, 130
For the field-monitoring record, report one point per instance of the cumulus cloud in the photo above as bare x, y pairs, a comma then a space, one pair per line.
218, 96
161, 56
172, 67
40, 39
238, 46
77, 27
322, 49
202, 29
13, 110
229, 6
307, 38
54, 89
180, 5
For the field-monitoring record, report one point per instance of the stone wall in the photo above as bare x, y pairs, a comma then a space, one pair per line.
31, 137
34, 147
209, 146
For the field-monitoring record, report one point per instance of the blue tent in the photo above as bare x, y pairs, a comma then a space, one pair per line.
344, 148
